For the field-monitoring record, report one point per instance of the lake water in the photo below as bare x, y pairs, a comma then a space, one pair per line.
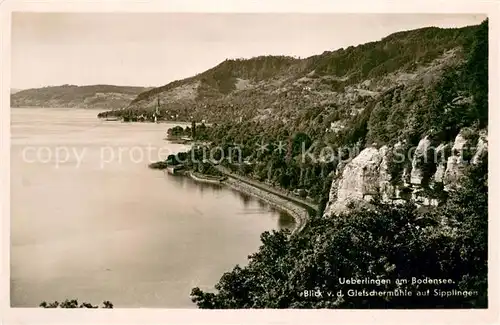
90, 221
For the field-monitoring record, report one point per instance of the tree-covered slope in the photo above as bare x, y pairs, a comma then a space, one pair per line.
440, 251
438, 97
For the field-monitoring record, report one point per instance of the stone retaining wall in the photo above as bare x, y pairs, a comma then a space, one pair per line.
300, 214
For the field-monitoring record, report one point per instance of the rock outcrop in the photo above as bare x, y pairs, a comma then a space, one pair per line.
482, 147
367, 176
387, 190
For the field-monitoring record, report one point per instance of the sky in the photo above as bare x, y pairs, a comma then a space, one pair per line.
153, 49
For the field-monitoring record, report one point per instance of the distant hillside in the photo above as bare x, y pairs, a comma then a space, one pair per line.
71, 96
14, 90
280, 88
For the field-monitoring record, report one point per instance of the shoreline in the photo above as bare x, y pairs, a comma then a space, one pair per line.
299, 213
204, 179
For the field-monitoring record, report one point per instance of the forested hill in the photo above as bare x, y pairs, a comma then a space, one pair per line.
407, 201
281, 88
71, 96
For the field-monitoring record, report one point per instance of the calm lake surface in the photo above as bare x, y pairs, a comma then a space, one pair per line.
90, 221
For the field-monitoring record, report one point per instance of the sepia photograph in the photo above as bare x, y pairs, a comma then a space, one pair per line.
249, 160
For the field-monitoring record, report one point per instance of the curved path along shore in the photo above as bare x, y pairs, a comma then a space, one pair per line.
281, 193
299, 209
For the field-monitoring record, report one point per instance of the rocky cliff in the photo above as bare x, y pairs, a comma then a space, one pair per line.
368, 176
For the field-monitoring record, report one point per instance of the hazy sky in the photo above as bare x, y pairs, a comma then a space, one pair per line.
142, 49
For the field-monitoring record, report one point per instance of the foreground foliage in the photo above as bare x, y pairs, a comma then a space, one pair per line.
74, 304
383, 243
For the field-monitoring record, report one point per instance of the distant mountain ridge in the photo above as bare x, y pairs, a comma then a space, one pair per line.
72, 96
